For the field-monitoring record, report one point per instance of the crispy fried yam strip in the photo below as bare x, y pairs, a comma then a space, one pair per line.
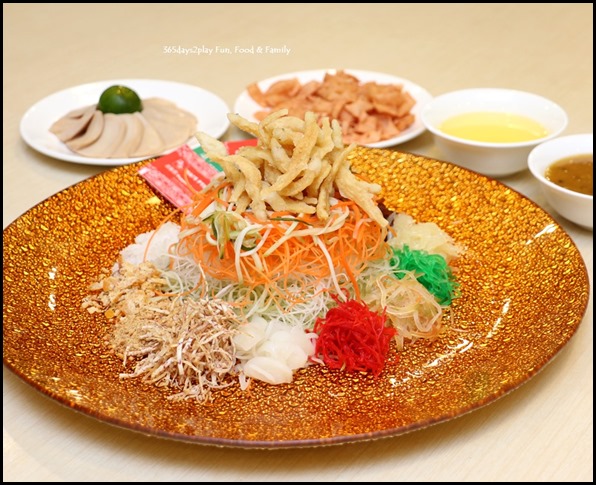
296, 167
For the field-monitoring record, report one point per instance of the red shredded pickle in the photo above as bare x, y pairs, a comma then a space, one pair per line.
353, 338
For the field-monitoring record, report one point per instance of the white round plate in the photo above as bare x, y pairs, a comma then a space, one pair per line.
245, 106
210, 111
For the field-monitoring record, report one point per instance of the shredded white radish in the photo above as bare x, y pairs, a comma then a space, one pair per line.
153, 246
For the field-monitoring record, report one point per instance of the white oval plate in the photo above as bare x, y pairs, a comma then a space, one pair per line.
210, 111
245, 106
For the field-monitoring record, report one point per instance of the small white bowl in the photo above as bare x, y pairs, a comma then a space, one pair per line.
575, 206
488, 158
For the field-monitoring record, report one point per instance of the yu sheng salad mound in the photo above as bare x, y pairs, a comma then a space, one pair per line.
284, 260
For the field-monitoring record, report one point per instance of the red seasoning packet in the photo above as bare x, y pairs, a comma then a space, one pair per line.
179, 174
234, 145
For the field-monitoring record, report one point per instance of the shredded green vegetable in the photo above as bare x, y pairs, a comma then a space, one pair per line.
290, 219
431, 270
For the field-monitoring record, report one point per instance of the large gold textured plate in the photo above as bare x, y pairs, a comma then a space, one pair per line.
524, 291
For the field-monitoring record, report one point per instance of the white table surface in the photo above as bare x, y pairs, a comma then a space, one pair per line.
541, 432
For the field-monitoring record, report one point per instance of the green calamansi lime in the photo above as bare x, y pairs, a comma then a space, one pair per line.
119, 99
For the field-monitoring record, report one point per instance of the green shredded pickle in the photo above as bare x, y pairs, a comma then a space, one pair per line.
290, 219
431, 270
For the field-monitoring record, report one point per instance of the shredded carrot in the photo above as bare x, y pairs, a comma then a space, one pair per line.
206, 197
285, 244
